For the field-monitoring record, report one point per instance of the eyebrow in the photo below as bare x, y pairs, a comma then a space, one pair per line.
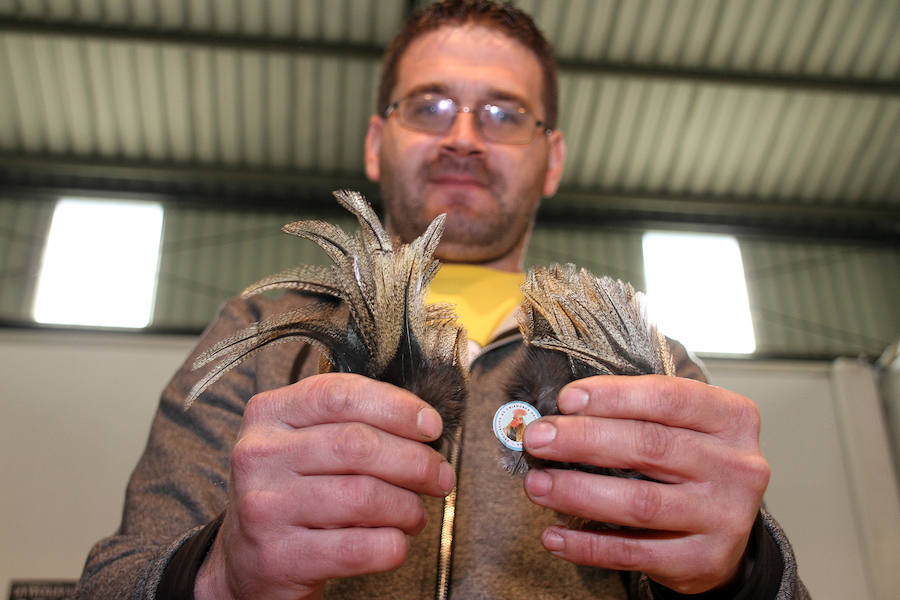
427, 88
491, 95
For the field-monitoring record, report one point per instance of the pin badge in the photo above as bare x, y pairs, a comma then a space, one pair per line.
510, 421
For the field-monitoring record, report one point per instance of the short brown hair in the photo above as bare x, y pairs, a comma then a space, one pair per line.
502, 17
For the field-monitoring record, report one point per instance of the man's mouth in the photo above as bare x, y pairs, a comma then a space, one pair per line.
447, 171
457, 179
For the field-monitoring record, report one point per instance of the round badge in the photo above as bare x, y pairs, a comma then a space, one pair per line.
510, 421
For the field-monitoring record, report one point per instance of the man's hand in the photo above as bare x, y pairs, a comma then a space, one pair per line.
701, 443
325, 477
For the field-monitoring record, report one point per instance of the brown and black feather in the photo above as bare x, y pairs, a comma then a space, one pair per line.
576, 325
390, 333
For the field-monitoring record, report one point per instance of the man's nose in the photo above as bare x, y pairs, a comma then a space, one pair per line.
463, 136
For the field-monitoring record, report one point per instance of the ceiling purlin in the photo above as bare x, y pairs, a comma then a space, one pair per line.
38, 177
245, 41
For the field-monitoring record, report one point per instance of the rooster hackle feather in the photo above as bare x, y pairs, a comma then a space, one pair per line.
576, 325
390, 333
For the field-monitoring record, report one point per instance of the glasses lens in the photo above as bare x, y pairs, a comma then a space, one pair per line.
504, 123
428, 113
507, 123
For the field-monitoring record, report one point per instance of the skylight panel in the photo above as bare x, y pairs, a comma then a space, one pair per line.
100, 264
697, 292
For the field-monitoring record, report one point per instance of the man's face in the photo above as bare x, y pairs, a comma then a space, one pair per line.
490, 191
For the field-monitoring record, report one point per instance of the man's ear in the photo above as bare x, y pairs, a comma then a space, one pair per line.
556, 161
373, 147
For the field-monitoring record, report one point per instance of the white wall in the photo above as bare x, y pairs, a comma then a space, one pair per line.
832, 487
76, 409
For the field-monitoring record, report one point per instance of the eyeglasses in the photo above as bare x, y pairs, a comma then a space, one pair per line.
500, 122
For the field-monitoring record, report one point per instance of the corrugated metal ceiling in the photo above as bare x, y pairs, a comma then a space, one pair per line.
765, 113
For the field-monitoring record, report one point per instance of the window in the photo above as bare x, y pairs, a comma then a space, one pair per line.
100, 264
696, 291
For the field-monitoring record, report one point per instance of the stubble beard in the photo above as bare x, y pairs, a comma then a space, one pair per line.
475, 230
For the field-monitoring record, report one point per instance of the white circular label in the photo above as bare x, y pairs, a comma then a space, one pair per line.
510, 421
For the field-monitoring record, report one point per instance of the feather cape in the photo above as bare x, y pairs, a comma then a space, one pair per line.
576, 325
390, 334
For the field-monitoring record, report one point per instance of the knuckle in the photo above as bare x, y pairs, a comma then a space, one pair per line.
415, 513
646, 503
258, 406
615, 552
356, 444
732, 521
750, 469
350, 553
360, 493
653, 442
670, 400
426, 471
392, 548
757, 472
625, 555
335, 397
253, 509
247, 453
749, 416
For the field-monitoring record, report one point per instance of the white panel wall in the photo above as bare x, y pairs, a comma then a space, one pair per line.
807, 492
76, 409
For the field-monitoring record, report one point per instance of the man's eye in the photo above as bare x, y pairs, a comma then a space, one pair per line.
506, 116
425, 108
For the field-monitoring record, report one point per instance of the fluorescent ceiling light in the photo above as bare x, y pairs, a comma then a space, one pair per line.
696, 291
100, 264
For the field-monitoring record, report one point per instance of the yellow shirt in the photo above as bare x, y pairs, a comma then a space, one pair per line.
483, 297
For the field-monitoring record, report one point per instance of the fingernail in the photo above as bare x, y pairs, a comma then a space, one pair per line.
552, 540
446, 477
572, 400
539, 434
538, 483
429, 423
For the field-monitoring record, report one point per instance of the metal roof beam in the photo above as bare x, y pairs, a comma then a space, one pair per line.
205, 39
253, 189
242, 41
792, 81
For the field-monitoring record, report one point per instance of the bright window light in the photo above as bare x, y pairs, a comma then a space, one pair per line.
696, 291
100, 264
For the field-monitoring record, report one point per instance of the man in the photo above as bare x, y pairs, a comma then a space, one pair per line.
323, 484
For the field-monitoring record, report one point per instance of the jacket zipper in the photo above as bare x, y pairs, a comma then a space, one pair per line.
445, 554
448, 518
